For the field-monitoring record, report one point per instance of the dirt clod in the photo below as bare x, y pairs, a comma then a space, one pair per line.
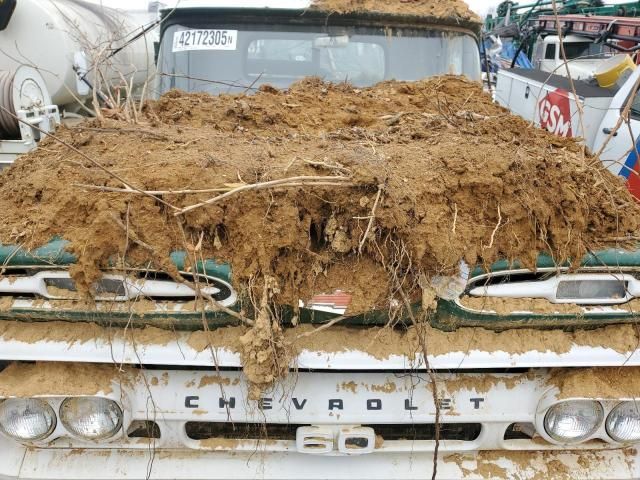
50, 378
265, 352
612, 383
428, 8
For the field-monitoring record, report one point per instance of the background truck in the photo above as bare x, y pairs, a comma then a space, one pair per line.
177, 409
583, 56
589, 34
52, 54
589, 112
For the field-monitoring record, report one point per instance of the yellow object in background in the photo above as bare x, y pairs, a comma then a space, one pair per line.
611, 69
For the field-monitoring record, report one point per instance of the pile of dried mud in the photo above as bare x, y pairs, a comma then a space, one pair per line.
438, 171
321, 187
443, 9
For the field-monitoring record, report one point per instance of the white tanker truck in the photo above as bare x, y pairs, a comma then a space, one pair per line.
53, 54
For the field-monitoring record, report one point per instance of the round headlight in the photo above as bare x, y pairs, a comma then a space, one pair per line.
27, 419
573, 421
92, 418
623, 423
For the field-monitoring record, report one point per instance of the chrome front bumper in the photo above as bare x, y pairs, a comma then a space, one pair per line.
76, 464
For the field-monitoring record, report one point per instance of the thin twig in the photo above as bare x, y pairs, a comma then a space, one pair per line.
289, 182
323, 327
206, 80
250, 87
372, 218
101, 188
563, 54
290, 164
195, 286
137, 131
340, 168
131, 235
422, 334
493, 234
455, 218
8, 259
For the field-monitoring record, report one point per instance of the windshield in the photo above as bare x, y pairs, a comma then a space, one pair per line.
583, 50
229, 59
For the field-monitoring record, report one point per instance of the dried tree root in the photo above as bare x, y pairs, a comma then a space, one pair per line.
323, 327
372, 218
265, 352
291, 182
101, 188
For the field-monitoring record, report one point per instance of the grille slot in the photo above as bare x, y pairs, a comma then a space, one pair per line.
240, 431
520, 431
143, 429
466, 432
509, 277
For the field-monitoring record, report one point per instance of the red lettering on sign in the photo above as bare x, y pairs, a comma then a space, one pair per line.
555, 113
633, 183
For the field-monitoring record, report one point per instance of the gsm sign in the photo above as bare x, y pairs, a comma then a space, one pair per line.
555, 113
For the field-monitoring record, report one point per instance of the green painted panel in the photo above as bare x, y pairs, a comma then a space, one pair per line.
53, 253
603, 258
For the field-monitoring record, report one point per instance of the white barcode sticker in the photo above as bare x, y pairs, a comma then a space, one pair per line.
185, 40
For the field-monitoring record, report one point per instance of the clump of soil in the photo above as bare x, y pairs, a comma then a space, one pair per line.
506, 306
265, 353
424, 8
539, 465
380, 343
52, 378
459, 178
613, 383
379, 187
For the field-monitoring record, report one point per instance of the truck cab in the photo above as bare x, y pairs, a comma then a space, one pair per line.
109, 401
583, 56
227, 50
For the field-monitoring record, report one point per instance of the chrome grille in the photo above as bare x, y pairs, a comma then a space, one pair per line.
53, 284
466, 432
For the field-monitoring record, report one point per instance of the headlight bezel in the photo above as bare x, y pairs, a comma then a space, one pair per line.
616, 438
576, 404
69, 429
46, 407
60, 431
550, 399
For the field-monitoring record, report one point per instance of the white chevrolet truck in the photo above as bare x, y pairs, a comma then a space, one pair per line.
89, 401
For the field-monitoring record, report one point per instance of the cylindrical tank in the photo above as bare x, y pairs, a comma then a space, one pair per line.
54, 36
23, 89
